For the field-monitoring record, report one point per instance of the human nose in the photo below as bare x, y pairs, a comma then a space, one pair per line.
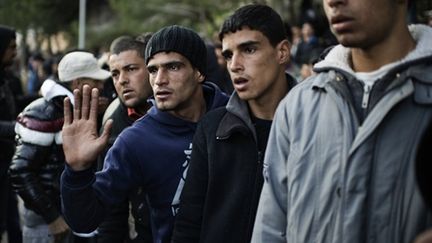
123, 78
235, 64
160, 78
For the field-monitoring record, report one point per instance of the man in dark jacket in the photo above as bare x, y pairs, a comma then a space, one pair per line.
8, 203
39, 159
131, 81
153, 154
220, 198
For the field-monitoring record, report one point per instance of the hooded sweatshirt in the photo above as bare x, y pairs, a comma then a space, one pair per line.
333, 178
152, 155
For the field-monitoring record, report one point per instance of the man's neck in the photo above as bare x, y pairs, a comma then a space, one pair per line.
391, 50
264, 107
143, 108
195, 109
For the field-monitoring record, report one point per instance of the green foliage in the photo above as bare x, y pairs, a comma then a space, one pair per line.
107, 19
150, 15
49, 16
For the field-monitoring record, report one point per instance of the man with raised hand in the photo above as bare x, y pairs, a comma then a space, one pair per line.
154, 152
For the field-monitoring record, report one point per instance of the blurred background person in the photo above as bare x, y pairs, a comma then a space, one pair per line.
9, 220
35, 72
39, 159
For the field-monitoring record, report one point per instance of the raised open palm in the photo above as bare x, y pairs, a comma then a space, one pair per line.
81, 141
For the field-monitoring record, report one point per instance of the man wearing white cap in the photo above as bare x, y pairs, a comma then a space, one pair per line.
39, 159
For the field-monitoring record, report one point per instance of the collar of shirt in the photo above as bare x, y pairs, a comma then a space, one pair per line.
134, 114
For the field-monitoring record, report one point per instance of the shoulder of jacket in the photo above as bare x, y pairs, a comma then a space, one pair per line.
213, 117
40, 123
44, 110
421, 77
112, 109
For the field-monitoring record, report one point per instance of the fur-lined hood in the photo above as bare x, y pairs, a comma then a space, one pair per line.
51, 89
339, 56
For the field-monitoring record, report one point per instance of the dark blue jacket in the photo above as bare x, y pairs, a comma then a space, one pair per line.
152, 155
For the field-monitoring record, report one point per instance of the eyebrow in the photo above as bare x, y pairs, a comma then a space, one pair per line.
178, 62
129, 65
248, 43
124, 67
242, 45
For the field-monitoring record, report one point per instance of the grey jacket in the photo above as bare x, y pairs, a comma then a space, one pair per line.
331, 177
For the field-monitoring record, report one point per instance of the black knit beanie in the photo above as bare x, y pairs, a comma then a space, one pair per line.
181, 40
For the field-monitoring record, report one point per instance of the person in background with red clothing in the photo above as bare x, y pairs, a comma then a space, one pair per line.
131, 81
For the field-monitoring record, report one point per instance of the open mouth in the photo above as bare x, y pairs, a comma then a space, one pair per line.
240, 84
162, 94
127, 92
240, 80
341, 23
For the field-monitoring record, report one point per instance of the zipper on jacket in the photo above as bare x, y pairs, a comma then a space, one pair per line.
260, 157
366, 92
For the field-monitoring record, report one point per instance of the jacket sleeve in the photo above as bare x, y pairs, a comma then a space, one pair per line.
82, 209
86, 196
188, 221
271, 218
114, 227
32, 152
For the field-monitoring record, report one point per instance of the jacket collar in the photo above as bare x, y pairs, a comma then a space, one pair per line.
238, 116
213, 96
237, 119
339, 57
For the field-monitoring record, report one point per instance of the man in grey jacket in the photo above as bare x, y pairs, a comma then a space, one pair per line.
340, 160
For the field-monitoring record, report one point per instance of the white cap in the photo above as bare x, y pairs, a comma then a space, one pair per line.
79, 64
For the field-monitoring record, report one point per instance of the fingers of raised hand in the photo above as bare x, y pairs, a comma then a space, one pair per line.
86, 96
77, 105
86, 103
67, 113
94, 104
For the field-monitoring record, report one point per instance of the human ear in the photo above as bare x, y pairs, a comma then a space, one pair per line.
283, 51
200, 77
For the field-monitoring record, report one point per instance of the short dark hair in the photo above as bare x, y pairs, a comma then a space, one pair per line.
144, 37
258, 17
128, 43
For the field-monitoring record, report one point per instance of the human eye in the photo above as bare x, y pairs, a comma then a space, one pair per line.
227, 55
173, 66
114, 75
131, 69
250, 49
152, 70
